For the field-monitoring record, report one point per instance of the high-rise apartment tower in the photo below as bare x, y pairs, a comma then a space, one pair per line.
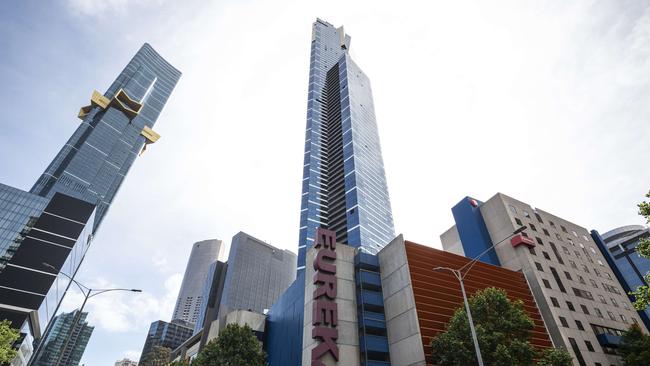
115, 128
190, 297
344, 185
62, 332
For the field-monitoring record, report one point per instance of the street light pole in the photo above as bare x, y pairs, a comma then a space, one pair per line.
88, 293
460, 276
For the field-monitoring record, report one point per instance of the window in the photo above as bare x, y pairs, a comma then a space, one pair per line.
611, 315
546, 232
524, 234
577, 254
609, 277
585, 268
576, 351
581, 280
582, 293
546, 283
573, 264
563, 229
626, 306
579, 325
569, 305
567, 275
539, 241
552, 224
589, 346
539, 267
532, 227
546, 255
518, 222
613, 300
557, 254
598, 312
539, 218
574, 233
532, 250
597, 272
526, 214
584, 309
600, 263
593, 283
558, 237
592, 250
635, 321
555, 302
623, 318
557, 279
570, 241
513, 209
566, 251
564, 322
602, 299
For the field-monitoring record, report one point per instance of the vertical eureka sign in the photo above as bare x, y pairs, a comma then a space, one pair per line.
325, 312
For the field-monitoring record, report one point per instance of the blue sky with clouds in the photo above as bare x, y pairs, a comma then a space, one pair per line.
546, 101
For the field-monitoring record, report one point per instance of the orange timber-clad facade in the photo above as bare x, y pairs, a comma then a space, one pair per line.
437, 294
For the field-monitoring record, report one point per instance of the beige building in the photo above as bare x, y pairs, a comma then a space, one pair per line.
583, 305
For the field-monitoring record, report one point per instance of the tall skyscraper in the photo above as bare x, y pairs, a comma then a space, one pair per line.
619, 247
190, 296
582, 303
115, 127
344, 185
126, 362
56, 339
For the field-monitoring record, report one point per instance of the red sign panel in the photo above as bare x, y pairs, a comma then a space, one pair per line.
325, 312
520, 239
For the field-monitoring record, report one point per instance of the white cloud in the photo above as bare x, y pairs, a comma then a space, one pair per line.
119, 312
106, 7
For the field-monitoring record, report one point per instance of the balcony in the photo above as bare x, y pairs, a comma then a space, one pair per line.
608, 340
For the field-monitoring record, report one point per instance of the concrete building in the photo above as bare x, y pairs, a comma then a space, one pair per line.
190, 297
384, 309
619, 248
240, 290
126, 362
582, 303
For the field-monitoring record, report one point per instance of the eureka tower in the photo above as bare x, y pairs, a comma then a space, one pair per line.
344, 184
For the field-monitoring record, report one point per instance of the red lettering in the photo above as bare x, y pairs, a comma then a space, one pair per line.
321, 265
325, 239
328, 287
328, 337
325, 313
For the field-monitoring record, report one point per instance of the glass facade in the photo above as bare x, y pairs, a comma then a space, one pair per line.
164, 334
93, 163
54, 343
344, 184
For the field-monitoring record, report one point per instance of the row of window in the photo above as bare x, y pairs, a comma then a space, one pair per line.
513, 209
585, 310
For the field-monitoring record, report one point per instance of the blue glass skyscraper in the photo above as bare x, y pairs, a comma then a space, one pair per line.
344, 184
115, 128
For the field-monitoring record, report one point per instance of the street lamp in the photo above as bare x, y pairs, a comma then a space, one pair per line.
460, 276
88, 293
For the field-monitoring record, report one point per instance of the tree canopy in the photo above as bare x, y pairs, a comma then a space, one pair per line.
635, 347
642, 293
503, 329
8, 336
159, 356
235, 346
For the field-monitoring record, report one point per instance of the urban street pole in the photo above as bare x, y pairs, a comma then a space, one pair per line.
460, 276
88, 293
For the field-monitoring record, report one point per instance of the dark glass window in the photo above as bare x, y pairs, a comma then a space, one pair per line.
539, 241
546, 232
539, 267
532, 250
564, 322
569, 304
579, 325
557, 279
518, 222
546, 283
546, 256
584, 309
532, 227
539, 218
567, 275
555, 302
557, 254
576, 350
589, 346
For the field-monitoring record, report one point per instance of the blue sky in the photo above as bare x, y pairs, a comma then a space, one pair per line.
542, 100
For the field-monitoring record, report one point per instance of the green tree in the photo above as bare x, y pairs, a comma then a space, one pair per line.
8, 336
159, 356
555, 357
235, 346
503, 329
642, 293
635, 347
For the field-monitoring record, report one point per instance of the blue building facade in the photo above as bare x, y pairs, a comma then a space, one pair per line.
344, 184
619, 249
284, 326
472, 231
115, 128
